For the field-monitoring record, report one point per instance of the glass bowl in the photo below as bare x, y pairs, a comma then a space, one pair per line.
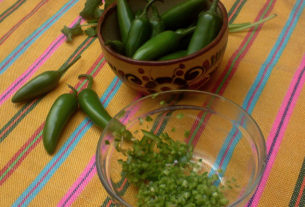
224, 136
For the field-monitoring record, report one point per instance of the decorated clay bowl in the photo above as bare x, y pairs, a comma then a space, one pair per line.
189, 72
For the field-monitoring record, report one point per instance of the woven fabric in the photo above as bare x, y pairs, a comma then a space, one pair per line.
263, 70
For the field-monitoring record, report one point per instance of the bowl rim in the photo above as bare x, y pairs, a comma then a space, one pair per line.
261, 137
222, 32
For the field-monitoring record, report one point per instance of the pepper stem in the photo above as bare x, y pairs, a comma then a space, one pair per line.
73, 89
186, 31
233, 26
214, 6
145, 10
238, 29
89, 78
89, 24
66, 66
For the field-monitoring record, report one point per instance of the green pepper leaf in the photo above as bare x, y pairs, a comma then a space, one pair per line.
91, 31
89, 11
72, 31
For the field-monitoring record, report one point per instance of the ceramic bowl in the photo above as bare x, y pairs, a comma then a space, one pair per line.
189, 72
224, 136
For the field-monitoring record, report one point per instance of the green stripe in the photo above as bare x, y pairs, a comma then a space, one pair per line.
297, 187
18, 120
19, 157
6, 15
105, 202
80, 46
229, 71
35, 139
237, 11
156, 123
302, 201
38, 100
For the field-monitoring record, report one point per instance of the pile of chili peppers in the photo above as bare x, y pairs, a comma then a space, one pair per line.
65, 105
182, 30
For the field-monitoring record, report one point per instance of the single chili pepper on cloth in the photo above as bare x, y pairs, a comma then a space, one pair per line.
41, 84
139, 32
59, 115
156, 22
207, 27
161, 44
90, 103
125, 18
183, 13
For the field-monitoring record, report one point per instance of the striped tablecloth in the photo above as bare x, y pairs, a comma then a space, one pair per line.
263, 71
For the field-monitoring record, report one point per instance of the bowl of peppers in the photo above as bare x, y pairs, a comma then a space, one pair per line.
155, 46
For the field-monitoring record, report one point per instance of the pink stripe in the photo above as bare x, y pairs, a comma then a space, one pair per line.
4, 37
34, 67
79, 181
283, 127
23, 46
273, 57
48, 171
8, 165
235, 65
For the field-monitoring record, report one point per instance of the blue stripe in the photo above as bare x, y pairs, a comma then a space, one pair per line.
40, 60
280, 126
263, 67
64, 157
109, 90
17, 52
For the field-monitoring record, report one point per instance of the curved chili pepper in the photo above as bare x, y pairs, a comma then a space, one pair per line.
59, 115
90, 103
174, 55
156, 22
125, 18
207, 28
140, 31
41, 84
183, 13
162, 44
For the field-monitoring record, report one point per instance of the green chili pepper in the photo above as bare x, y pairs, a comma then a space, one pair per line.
156, 22
140, 31
60, 113
162, 44
41, 84
183, 13
174, 55
116, 45
125, 18
90, 103
207, 28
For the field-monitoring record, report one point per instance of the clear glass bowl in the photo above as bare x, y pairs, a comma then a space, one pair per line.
224, 136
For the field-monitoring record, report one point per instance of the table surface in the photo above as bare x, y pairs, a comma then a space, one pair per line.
262, 70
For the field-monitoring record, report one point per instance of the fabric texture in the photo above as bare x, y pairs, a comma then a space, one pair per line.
263, 71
